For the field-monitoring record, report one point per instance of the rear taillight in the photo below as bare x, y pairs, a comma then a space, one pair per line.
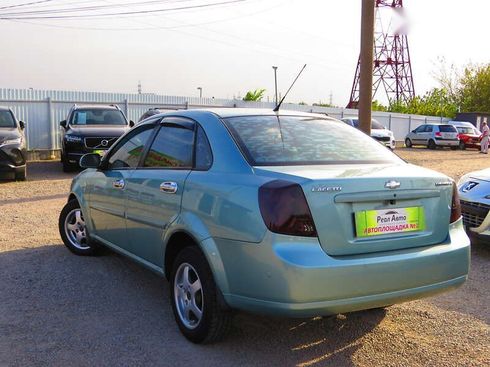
284, 209
455, 205
438, 134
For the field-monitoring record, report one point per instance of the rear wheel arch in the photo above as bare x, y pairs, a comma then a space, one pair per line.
176, 243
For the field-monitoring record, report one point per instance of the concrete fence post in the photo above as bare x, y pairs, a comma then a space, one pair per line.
126, 108
389, 122
52, 128
409, 123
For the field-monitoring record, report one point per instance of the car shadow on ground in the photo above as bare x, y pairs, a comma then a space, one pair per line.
58, 308
42, 171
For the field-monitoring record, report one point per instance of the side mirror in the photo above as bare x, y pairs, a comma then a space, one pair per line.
63, 124
131, 123
90, 160
413, 131
22, 125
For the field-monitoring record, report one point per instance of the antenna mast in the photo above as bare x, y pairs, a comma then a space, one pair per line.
392, 66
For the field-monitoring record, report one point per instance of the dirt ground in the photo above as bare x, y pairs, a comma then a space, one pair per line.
57, 309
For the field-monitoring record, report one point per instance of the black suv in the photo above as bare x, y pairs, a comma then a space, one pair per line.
90, 129
12, 145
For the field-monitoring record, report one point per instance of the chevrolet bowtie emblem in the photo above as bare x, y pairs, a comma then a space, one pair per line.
392, 184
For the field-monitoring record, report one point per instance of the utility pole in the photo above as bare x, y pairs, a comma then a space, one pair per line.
200, 91
275, 83
366, 65
139, 87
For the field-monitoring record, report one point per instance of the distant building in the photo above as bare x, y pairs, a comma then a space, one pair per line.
476, 118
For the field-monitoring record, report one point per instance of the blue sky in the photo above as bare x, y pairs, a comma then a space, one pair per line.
228, 50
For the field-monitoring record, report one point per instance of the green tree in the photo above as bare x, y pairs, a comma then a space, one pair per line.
254, 96
474, 89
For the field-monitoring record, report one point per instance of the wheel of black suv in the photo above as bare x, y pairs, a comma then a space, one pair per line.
67, 166
20, 175
73, 230
194, 299
432, 144
408, 143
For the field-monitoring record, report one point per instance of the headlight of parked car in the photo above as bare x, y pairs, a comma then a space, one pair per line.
73, 138
11, 142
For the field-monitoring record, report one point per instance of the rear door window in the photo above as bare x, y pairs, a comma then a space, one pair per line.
447, 129
172, 147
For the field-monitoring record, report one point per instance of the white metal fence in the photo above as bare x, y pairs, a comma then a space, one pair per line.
42, 110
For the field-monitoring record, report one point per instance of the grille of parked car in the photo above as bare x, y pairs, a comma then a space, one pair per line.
99, 142
382, 138
474, 213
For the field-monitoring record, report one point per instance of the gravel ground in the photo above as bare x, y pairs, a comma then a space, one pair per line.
58, 309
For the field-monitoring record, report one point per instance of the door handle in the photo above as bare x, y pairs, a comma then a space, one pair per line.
169, 187
118, 184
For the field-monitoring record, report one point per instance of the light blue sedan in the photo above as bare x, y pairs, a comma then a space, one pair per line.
282, 213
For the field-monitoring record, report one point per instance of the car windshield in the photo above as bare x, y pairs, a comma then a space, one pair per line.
304, 140
374, 124
466, 130
97, 116
6, 119
447, 129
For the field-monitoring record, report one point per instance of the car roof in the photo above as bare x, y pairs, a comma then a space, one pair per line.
237, 112
96, 106
3, 108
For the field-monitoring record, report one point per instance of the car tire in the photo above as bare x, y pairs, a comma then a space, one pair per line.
432, 144
21, 175
73, 231
462, 145
455, 148
67, 166
194, 298
408, 143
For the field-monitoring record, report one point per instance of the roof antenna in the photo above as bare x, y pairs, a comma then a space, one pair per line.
282, 100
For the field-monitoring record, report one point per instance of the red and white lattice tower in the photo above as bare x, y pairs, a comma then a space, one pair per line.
392, 68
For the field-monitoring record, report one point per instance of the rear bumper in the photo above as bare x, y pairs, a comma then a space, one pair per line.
283, 276
447, 143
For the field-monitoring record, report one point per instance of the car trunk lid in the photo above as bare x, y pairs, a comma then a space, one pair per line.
350, 204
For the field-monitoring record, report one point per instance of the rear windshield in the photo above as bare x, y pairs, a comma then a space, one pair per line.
97, 116
298, 140
6, 119
447, 129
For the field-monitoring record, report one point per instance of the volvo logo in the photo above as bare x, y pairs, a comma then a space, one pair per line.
104, 143
392, 184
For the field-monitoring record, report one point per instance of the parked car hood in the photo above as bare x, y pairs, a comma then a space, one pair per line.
483, 175
98, 130
9, 133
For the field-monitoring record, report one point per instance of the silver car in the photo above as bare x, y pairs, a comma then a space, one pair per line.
433, 136
378, 131
474, 191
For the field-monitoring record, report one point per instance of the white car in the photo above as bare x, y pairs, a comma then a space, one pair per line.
474, 192
378, 131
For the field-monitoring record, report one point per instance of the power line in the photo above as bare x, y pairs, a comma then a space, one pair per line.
25, 4
135, 12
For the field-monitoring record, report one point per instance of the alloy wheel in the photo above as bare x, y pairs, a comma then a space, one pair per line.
75, 229
188, 295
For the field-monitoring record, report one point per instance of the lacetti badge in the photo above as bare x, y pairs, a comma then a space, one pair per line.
386, 221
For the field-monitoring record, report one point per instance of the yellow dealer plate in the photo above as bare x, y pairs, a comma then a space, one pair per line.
387, 221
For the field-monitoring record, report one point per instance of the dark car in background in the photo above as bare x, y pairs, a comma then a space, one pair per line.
12, 145
90, 129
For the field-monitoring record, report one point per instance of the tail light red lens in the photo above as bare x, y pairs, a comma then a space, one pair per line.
284, 209
438, 134
455, 205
